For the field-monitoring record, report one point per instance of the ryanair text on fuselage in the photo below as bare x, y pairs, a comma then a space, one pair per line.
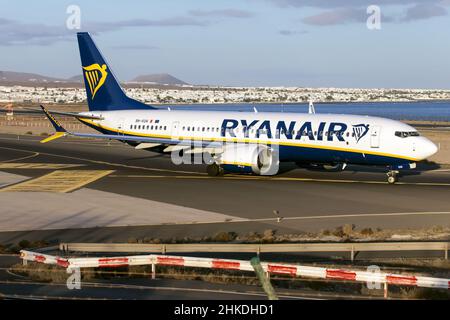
293, 130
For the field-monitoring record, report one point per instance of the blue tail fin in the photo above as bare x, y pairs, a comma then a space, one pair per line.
102, 88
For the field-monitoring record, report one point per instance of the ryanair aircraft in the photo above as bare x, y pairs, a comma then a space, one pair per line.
241, 142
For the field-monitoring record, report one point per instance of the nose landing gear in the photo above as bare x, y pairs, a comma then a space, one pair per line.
392, 176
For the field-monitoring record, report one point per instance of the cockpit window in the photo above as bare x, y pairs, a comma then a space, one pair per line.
406, 134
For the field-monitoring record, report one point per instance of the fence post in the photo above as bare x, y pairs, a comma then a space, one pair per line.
153, 271
446, 251
386, 289
263, 278
352, 254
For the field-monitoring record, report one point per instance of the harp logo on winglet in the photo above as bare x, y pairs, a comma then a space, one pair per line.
95, 76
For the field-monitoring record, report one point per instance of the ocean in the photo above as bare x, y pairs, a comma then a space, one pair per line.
435, 111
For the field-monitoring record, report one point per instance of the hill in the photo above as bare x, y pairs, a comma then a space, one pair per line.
11, 76
162, 78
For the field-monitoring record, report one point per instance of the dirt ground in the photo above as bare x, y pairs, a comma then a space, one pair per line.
442, 139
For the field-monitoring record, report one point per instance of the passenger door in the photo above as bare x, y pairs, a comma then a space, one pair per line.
175, 129
375, 137
120, 126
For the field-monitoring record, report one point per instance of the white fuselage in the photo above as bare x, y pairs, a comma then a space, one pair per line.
321, 138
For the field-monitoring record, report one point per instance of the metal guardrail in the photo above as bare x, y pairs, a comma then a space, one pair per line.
262, 269
352, 248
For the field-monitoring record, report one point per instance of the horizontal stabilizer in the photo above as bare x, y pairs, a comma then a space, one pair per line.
67, 114
54, 136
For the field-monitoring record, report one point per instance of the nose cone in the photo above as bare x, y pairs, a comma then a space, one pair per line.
428, 148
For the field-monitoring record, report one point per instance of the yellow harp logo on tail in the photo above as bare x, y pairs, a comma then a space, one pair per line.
95, 77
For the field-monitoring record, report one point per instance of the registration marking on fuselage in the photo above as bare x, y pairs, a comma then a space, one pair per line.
60, 181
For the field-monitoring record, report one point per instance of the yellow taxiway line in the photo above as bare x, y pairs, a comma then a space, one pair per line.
35, 154
108, 163
243, 177
31, 165
59, 181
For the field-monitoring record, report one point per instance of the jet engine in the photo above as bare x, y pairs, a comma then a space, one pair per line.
249, 158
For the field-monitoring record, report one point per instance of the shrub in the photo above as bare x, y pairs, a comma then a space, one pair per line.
367, 231
269, 233
269, 236
347, 229
132, 240
224, 236
23, 244
339, 232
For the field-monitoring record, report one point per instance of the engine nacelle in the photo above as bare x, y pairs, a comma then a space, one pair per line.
249, 158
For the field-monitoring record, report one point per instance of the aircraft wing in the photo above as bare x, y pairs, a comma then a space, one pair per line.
61, 132
67, 114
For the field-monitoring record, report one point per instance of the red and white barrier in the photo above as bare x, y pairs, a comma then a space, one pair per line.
43, 258
242, 265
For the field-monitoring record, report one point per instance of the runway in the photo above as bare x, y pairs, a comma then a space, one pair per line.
110, 192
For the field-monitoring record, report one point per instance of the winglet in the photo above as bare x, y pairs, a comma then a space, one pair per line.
60, 131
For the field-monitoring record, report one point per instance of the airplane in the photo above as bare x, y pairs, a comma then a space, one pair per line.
240, 142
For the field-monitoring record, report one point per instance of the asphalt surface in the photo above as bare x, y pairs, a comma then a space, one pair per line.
307, 199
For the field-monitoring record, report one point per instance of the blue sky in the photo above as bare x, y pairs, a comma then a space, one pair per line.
248, 42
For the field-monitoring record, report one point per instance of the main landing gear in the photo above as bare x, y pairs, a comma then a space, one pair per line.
392, 176
214, 170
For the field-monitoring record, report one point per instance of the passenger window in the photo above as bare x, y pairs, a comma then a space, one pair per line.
405, 134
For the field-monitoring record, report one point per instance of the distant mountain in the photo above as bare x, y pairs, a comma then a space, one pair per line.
162, 78
11, 76
77, 78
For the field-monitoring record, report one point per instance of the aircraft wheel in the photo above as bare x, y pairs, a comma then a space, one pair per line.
392, 177
214, 170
